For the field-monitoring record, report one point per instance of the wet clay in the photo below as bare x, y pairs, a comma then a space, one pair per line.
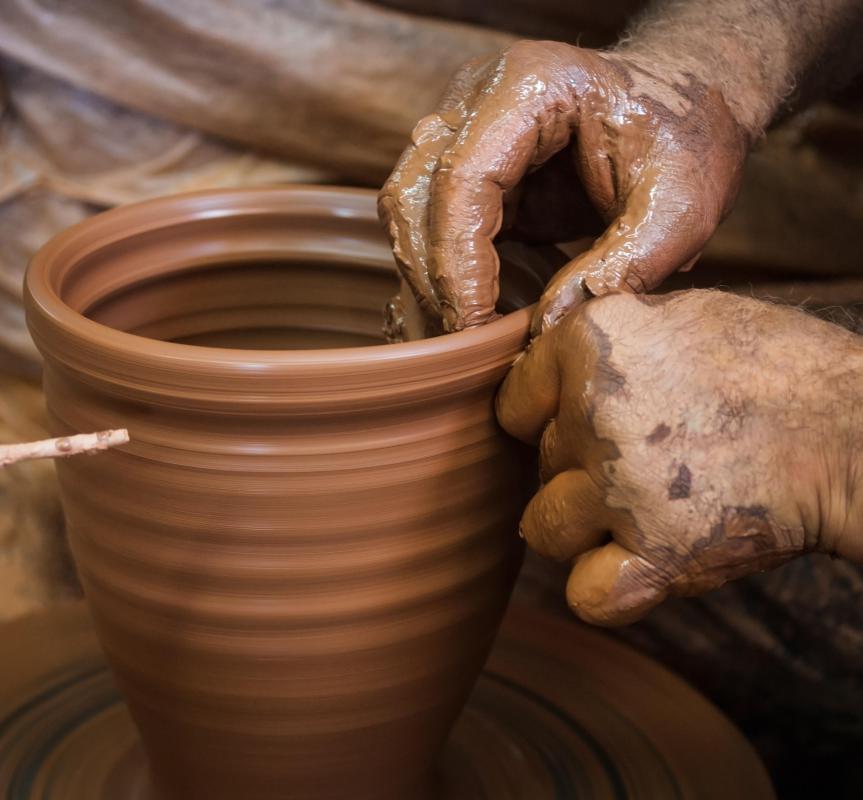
297, 565
549, 143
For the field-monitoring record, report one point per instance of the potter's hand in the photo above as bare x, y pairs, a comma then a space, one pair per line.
686, 440
541, 139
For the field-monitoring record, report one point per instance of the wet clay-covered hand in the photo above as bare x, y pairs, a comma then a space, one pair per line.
553, 142
686, 440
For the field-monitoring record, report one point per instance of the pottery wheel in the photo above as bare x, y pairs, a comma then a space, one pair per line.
560, 712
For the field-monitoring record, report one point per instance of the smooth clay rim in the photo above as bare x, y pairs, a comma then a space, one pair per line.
203, 376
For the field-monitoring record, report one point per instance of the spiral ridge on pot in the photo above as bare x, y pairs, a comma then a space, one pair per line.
298, 564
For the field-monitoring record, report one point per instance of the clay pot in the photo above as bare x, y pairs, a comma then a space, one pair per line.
297, 566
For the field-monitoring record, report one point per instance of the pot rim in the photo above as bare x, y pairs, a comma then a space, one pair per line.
87, 348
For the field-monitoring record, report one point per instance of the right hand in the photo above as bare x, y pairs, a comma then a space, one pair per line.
686, 440
547, 139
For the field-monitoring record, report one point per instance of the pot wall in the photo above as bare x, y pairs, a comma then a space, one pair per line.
298, 564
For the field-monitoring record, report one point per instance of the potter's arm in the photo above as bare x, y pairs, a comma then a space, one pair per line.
762, 54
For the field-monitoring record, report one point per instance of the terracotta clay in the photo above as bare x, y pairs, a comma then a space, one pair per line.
297, 565
561, 711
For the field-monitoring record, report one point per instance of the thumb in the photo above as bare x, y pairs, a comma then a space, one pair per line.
660, 230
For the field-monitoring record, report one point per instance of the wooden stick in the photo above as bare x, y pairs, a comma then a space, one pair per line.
63, 446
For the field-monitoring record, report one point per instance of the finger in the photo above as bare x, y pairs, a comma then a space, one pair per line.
611, 585
506, 134
567, 516
403, 205
554, 456
566, 441
530, 394
404, 198
466, 81
658, 231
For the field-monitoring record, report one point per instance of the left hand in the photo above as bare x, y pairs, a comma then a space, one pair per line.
554, 142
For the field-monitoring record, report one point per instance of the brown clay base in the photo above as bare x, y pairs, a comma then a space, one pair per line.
560, 712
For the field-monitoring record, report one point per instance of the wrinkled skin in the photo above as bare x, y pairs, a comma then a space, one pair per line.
686, 440
552, 142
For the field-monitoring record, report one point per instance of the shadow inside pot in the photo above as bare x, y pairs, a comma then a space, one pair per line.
289, 304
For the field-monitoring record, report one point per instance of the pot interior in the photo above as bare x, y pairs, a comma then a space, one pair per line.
276, 304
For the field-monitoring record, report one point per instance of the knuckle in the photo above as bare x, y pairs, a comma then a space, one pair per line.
386, 202
542, 56
640, 279
520, 48
547, 447
542, 518
692, 208
524, 49
530, 529
464, 77
450, 165
429, 128
648, 576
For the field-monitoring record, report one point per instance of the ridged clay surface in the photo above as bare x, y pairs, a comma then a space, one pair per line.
297, 566
560, 711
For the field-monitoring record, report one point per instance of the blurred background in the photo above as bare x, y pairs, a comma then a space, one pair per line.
104, 102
